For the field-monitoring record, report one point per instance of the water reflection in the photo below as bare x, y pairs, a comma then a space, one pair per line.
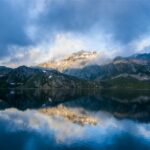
122, 104
31, 130
122, 120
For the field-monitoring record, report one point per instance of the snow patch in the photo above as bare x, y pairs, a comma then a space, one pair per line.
12, 92
44, 71
50, 76
12, 83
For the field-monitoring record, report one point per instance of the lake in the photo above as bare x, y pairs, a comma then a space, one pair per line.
122, 120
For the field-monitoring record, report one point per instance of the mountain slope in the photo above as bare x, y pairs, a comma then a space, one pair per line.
127, 82
137, 66
76, 60
122, 72
26, 77
4, 70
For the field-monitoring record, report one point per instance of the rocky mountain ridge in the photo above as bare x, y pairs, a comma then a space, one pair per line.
136, 66
76, 60
27, 77
124, 72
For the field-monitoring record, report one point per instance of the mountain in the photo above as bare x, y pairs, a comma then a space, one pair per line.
27, 77
127, 82
4, 70
136, 58
122, 69
138, 65
121, 72
76, 60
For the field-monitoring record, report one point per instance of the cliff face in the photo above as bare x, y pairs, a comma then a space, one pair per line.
76, 60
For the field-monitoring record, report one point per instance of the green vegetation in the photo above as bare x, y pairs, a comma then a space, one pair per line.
126, 83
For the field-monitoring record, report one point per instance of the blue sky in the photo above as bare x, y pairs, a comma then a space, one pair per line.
38, 30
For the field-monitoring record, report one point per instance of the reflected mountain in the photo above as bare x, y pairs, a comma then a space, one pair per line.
122, 104
36, 98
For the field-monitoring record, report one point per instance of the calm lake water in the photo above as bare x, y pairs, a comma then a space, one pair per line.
123, 120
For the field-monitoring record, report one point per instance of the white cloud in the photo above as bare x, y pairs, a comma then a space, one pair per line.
56, 48
63, 130
64, 44
141, 44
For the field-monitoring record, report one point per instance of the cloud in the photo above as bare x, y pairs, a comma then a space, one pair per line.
11, 27
112, 26
126, 19
142, 44
41, 130
61, 46
33, 121
15, 19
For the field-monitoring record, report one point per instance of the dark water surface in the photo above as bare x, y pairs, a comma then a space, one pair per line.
123, 120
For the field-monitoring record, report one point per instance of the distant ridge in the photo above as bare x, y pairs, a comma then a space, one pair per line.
122, 72
76, 60
138, 64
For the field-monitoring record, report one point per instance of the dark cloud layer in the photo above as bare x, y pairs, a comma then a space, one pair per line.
125, 20
12, 27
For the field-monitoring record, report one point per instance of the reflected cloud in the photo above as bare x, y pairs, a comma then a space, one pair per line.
64, 130
122, 104
35, 130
